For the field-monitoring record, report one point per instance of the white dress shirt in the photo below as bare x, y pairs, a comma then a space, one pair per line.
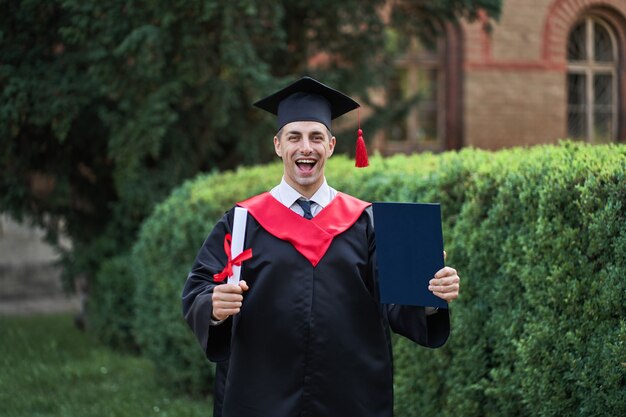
288, 196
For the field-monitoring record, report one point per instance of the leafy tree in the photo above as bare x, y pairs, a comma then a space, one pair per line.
424, 18
107, 105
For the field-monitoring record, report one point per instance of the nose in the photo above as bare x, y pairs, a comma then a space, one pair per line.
306, 146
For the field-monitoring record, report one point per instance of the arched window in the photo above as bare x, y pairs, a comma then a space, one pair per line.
592, 87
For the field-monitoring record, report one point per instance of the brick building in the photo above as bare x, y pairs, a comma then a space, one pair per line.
547, 69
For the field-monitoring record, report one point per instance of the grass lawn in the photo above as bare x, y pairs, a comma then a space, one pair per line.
49, 368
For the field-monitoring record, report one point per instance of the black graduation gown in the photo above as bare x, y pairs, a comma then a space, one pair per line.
311, 338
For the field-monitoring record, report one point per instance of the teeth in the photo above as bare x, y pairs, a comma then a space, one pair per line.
305, 161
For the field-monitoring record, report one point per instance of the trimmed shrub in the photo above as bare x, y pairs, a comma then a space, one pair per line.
111, 306
538, 238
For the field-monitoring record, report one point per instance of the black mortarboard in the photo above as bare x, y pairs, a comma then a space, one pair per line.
307, 100
310, 100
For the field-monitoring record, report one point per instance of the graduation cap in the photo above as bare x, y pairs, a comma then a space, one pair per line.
310, 100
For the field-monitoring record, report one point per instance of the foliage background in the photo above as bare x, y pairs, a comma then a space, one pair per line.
106, 106
537, 235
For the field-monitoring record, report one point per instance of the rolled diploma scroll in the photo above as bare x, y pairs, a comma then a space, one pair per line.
239, 234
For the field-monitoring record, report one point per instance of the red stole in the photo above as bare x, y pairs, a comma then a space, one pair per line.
311, 238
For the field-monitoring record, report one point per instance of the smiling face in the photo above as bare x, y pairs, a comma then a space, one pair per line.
304, 148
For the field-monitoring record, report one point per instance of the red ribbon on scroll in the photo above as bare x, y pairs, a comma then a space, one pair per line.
228, 269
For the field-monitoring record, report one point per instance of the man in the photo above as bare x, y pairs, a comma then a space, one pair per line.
303, 334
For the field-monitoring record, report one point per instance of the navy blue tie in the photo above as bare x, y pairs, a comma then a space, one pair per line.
306, 207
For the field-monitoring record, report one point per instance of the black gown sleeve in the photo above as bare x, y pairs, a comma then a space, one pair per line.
411, 322
196, 298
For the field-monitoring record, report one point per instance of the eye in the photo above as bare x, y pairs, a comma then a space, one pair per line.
292, 138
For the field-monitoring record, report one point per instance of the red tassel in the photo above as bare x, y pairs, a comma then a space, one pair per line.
361, 160
361, 152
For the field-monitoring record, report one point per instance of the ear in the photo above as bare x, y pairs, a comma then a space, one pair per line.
331, 145
277, 147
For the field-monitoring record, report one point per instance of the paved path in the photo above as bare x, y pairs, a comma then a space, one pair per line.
40, 306
30, 281
36, 289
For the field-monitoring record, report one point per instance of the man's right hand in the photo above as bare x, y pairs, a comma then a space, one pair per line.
227, 299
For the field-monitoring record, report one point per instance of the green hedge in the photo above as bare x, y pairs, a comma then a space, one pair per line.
111, 306
537, 234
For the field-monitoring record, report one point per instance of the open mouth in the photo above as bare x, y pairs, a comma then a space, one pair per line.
306, 165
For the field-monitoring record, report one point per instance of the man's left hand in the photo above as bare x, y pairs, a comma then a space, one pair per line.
445, 285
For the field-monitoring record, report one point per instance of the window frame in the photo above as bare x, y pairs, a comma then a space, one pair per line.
589, 68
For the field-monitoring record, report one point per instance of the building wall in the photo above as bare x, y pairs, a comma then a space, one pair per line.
510, 108
515, 90
517, 35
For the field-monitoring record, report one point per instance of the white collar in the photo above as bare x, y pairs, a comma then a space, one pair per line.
287, 195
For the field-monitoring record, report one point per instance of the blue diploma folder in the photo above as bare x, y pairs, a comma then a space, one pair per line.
409, 251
